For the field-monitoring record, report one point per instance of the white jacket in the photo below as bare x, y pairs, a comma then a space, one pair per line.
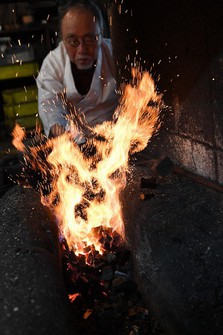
55, 77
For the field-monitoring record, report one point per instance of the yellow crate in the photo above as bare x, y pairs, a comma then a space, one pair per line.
18, 70
20, 110
28, 122
20, 95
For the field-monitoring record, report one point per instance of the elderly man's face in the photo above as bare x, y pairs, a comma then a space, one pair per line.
81, 37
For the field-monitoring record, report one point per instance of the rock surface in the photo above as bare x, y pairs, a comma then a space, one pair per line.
32, 292
176, 238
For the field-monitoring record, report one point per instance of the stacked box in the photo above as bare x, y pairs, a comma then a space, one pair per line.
28, 122
13, 71
20, 106
20, 95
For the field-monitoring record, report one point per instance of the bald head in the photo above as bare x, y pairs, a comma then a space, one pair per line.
81, 33
83, 4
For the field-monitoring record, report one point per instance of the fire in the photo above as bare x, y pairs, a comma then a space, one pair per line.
18, 136
82, 185
74, 296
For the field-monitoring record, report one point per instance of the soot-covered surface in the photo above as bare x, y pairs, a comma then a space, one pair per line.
32, 293
37, 273
176, 238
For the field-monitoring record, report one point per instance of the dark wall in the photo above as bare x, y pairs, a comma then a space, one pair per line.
181, 44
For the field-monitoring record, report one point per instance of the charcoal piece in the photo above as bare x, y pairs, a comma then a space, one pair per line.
123, 255
177, 252
32, 291
148, 182
146, 196
164, 167
125, 286
118, 281
107, 273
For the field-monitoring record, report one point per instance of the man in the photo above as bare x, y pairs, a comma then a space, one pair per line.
78, 77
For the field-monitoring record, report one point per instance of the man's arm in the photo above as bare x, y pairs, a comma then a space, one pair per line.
56, 130
51, 96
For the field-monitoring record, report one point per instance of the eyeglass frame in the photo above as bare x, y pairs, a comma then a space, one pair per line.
78, 40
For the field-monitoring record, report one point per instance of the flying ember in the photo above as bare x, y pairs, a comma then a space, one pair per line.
81, 184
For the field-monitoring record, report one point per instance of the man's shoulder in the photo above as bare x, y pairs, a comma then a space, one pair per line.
107, 42
107, 45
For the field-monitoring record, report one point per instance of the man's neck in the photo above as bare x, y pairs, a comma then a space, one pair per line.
82, 78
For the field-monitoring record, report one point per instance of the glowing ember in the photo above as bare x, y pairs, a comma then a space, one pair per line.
82, 185
72, 297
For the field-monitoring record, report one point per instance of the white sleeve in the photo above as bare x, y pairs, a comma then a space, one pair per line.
51, 106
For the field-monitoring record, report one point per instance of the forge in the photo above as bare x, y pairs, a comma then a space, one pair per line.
167, 264
175, 238
81, 185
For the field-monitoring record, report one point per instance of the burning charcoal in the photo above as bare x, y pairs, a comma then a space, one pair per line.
100, 195
164, 167
87, 249
99, 261
121, 274
109, 230
135, 330
123, 255
138, 311
123, 285
108, 237
98, 264
77, 305
97, 231
93, 191
89, 258
102, 240
73, 297
106, 240
80, 210
117, 241
118, 281
81, 261
88, 148
87, 313
126, 267
111, 257
83, 279
107, 273
37, 175
96, 292
146, 196
148, 183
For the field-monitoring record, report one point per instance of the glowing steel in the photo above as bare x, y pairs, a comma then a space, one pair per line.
83, 190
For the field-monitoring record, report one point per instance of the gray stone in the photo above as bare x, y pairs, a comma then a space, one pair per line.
32, 292
176, 241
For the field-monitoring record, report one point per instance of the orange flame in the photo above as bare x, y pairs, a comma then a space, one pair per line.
18, 136
85, 190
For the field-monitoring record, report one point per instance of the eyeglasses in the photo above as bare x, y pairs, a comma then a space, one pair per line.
88, 40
